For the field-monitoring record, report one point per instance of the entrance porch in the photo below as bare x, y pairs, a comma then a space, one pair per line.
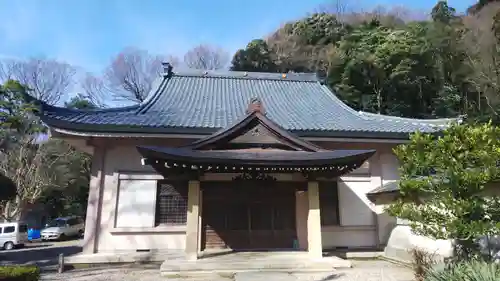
252, 216
253, 211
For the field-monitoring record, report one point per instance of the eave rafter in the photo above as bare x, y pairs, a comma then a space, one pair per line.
328, 168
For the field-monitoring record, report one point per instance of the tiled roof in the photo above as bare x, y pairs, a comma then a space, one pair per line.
386, 188
201, 102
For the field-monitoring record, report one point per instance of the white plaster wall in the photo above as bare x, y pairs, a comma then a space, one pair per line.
360, 220
389, 172
357, 227
126, 161
374, 232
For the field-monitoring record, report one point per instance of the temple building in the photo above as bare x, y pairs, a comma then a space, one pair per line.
236, 160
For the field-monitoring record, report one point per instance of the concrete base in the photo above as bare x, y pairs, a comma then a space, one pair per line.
125, 257
175, 262
254, 261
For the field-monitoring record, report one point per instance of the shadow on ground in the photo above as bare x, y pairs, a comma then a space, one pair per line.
41, 254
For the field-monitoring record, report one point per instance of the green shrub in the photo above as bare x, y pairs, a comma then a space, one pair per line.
466, 271
19, 273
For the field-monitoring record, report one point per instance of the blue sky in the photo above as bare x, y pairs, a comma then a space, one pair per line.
87, 33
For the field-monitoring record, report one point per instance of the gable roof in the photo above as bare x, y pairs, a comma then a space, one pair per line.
252, 120
200, 102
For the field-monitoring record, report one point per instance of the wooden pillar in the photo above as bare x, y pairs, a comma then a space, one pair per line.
192, 228
200, 223
314, 243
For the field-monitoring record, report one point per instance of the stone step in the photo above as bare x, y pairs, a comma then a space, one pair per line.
239, 264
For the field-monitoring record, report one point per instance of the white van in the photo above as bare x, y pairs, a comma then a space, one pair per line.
13, 234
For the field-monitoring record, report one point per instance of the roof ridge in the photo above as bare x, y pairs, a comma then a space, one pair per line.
292, 76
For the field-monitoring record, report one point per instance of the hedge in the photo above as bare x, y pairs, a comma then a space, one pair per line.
19, 273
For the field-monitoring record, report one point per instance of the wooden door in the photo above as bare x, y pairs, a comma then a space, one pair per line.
248, 216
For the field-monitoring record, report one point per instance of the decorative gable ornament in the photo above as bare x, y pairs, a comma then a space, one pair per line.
255, 105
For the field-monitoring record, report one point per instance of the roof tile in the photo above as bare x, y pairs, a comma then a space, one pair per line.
200, 100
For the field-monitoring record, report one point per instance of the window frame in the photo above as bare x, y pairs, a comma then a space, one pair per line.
330, 194
6, 227
181, 187
72, 222
23, 228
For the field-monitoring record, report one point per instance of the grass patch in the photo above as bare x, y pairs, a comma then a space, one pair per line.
19, 273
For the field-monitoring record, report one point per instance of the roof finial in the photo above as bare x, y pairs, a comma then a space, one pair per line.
167, 69
255, 105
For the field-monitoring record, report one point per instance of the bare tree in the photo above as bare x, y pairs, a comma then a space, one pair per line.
482, 46
47, 79
131, 74
33, 168
94, 89
4, 70
173, 60
206, 57
290, 54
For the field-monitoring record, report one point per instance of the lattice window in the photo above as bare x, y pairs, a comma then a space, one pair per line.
329, 203
171, 203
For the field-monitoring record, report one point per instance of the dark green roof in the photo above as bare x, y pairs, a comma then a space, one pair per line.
200, 102
386, 188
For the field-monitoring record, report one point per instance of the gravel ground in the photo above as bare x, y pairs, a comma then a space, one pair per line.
362, 271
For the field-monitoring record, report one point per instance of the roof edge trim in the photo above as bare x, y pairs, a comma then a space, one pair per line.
44, 106
154, 94
292, 76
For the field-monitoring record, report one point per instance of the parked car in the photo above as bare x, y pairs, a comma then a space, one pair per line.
13, 234
62, 228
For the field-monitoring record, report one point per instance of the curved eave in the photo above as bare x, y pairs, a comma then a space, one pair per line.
293, 159
438, 123
100, 130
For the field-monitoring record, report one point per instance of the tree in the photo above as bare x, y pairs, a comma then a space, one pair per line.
16, 115
443, 13
46, 79
317, 29
482, 45
443, 184
129, 77
388, 71
69, 192
33, 168
80, 102
256, 57
206, 57
29, 167
94, 90
68, 195
7, 189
